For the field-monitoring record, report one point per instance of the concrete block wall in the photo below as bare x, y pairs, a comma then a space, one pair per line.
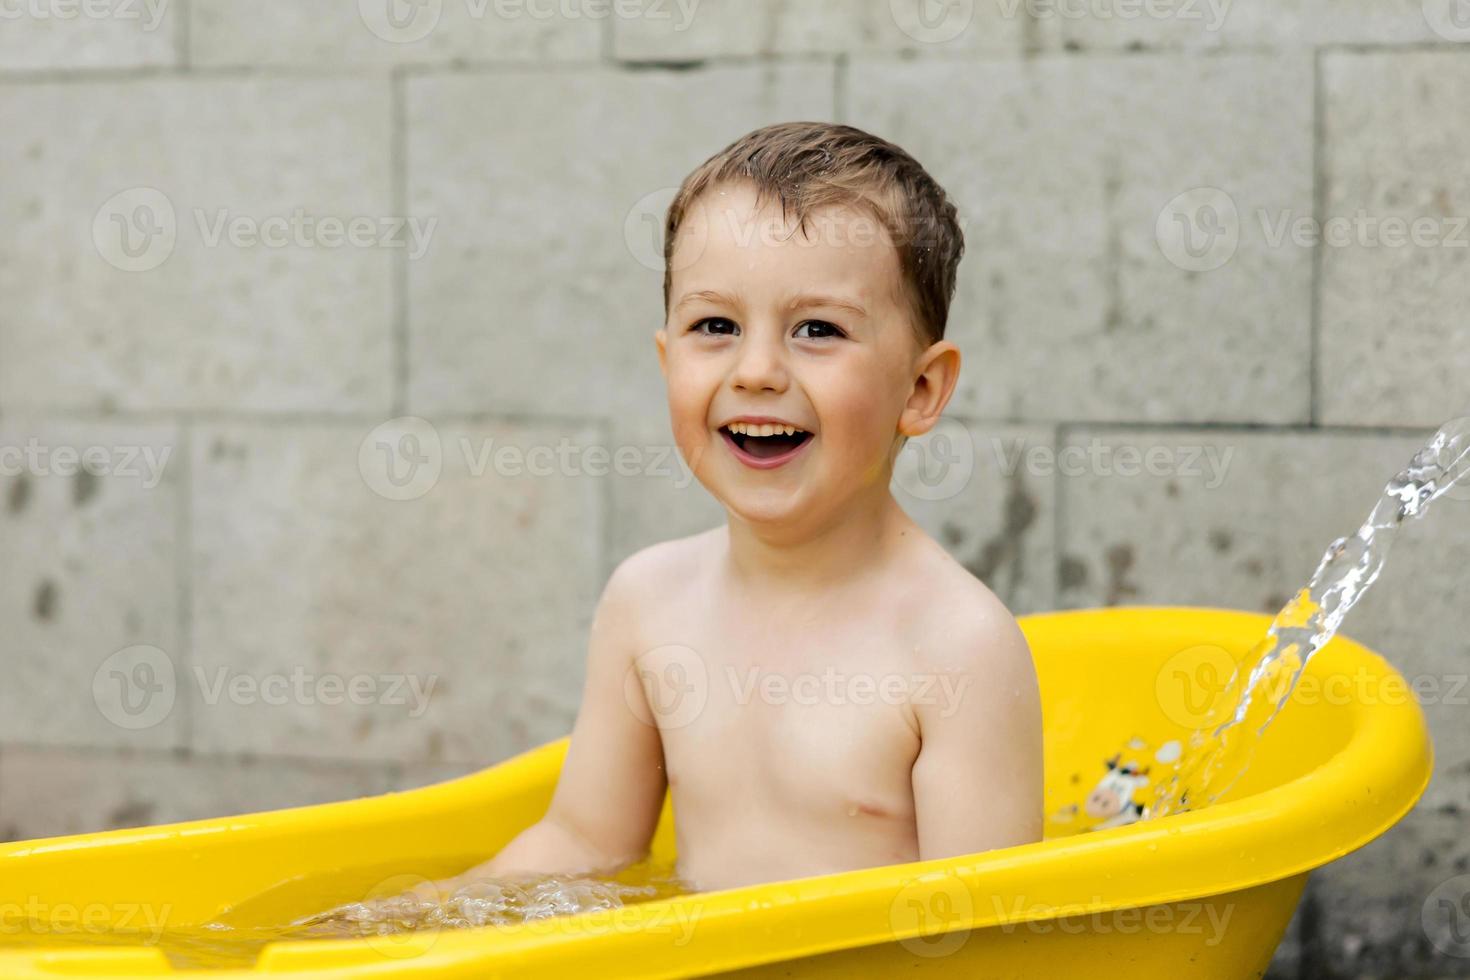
328, 398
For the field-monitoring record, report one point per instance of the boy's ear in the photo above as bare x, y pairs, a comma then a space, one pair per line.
938, 373
661, 340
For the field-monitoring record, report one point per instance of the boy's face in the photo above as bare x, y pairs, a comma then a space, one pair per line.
805, 328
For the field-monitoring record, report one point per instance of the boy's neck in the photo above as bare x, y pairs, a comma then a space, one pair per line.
813, 560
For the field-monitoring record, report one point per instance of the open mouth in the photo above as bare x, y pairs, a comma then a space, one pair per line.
765, 442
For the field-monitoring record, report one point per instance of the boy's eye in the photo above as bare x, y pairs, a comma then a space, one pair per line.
819, 329
719, 326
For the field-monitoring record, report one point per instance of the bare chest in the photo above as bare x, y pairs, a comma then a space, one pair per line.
799, 721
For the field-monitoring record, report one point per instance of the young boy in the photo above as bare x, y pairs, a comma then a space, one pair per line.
818, 683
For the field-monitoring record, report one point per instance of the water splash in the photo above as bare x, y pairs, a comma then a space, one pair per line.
493, 901
1220, 752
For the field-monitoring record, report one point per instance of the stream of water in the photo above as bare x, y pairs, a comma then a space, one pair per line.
1219, 752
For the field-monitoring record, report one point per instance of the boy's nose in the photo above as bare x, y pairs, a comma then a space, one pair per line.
760, 364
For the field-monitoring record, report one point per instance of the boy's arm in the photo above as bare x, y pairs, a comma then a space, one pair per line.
977, 781
611, 789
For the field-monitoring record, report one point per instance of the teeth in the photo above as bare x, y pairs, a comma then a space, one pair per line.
763, 429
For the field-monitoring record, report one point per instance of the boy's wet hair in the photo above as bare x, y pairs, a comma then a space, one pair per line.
808, 165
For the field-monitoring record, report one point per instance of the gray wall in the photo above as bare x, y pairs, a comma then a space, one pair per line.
228, 615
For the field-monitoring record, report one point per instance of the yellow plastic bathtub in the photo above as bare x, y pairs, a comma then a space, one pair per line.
1206, 893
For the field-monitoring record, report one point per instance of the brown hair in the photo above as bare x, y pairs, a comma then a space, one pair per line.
808, 165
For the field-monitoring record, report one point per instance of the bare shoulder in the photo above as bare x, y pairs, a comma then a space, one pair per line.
659, 570
973, 653
963, 625
665, 562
